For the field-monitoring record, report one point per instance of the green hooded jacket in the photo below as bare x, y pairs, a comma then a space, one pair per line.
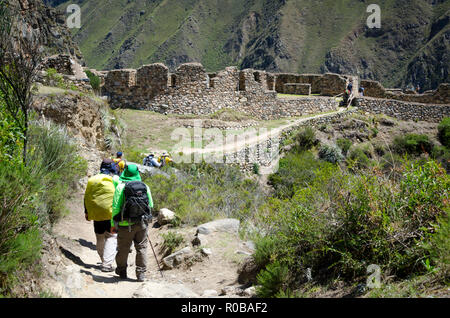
131, 173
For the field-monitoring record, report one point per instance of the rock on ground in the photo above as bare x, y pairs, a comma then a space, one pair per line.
164, 290
247, 271
165, 216
224, 225
177, 258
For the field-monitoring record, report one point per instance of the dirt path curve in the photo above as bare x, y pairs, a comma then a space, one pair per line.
76, 270
256, 139
78, 275
76, 240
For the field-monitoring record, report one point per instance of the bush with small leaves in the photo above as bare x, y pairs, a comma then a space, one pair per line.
413, 144
306, 139
272, 280
444, 132
358, 158
344, 144
330, 153
171, 241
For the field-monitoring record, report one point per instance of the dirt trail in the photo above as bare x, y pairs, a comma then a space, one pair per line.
254, 140
74, 265
76, 271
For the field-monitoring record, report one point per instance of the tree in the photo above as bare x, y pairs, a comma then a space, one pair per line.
20, 57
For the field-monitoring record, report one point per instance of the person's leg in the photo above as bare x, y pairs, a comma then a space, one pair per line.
141, 245
110, 251
100, 245
100, 229
124, 240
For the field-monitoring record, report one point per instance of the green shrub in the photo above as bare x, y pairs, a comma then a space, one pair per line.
344, 145
255, 168
330, 154
11, 138
203, 192
272, 280
358, 158
437, 245
94, 80
56, 78
32, 198
442, 155
374, 132
19, 221
266, 250
340, 223
306, 139
379, 149
444, 132
133, 154
54, 160
412, 144
295, 170
171, 241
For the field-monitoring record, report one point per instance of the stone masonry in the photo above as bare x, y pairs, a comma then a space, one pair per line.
191, 90
439, 96
404, 110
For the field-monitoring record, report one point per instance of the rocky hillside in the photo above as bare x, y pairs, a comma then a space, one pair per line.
305, 36
50, 23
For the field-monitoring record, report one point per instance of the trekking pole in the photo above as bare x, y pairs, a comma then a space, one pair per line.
157, 262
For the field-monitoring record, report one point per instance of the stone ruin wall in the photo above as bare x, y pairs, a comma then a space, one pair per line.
328, 84
65, 65
267, 151
439, 96
62, 63
404, 110
190, 90
431, 106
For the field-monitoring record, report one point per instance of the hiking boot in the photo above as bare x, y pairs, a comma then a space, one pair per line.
122, 273
107, 269
140, 277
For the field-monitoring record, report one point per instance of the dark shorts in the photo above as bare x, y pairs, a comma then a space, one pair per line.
101, 227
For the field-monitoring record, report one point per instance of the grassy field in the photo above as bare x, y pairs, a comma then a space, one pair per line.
149, 131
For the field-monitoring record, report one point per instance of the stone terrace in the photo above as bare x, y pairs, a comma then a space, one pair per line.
191, 90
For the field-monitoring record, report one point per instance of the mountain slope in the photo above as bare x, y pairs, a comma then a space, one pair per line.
307, 36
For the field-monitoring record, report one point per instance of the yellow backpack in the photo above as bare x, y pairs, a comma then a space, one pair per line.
98, 197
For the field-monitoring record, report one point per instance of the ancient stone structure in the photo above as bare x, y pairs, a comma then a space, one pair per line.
297, 89
265, 153
439, 96
328, 84
70, 73
404, 110
190, 90
62, 63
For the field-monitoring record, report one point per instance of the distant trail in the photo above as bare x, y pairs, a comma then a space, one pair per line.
254, 140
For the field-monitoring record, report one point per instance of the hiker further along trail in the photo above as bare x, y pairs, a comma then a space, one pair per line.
120, 161
131, 214
162, 160
98, 199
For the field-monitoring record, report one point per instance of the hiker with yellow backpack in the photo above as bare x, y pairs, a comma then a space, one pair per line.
98, 199
120, 162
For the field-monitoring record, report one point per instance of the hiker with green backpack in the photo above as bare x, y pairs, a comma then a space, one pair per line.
131, 215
